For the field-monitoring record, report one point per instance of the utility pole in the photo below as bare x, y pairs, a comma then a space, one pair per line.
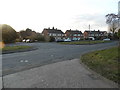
2, 82
89, 34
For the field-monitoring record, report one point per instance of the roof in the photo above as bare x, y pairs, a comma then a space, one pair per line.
74, 31
96, 32
54, 31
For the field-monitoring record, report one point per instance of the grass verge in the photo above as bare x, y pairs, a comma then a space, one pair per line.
105, 62
84, 42
13, 48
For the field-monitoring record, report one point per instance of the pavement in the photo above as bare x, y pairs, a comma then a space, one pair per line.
65, 74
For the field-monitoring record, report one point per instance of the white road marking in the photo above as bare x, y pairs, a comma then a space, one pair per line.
21, 60
26, 60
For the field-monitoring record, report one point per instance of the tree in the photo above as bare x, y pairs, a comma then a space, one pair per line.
119, 36
28, 34
119, 33
9, 35
23, 34
112, 21
40, 37
52, 39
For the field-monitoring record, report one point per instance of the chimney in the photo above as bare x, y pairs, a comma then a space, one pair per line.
53, 28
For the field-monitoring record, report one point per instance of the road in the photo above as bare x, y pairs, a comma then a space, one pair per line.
45, 54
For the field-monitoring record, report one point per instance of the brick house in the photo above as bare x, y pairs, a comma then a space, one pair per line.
56, 33
74, 34
95, 34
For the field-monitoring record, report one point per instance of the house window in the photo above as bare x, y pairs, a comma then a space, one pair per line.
59, 34
75, 39
75, 35
96, 35
92, 34
78, 38
50, 34
54, 34
78, 34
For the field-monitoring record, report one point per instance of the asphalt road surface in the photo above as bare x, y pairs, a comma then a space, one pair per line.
45, 54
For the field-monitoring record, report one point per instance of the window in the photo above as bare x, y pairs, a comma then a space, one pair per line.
75, 35
78, 34
92, 34
54, 34
75, 39
50, 34
59, 34
96, 34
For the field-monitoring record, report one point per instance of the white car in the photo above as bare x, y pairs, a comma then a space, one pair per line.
24, 40
92, 38
106, 39
67, 40
28, 40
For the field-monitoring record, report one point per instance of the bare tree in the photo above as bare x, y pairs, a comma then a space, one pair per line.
112, 21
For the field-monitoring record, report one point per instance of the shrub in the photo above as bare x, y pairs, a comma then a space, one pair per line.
9, 35
40, 38
47, 38
52, 39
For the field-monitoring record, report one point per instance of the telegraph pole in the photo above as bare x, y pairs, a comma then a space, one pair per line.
89, 33
2, 83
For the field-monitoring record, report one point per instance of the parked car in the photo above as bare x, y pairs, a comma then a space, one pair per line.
60, 40
106, 39
67, 40
28, 40
91, 38
23, 40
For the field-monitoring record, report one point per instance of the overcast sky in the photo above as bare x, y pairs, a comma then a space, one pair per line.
62, 14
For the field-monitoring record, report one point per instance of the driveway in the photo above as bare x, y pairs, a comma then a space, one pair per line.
45, 54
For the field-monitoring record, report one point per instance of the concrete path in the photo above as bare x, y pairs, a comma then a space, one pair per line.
0, 83
65, 74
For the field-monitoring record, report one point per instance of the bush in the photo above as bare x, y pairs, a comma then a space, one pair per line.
49, 38
40, 38
18, 40
52, 39
9, 35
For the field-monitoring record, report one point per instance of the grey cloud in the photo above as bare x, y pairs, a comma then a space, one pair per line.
99, 19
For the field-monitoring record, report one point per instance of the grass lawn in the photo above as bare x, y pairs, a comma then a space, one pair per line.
11, 48
104, 62
84, 42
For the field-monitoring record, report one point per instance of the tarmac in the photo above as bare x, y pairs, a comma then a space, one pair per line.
65, 74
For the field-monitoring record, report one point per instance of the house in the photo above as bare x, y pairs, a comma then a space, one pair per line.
56, 33
74, 34
95, 34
